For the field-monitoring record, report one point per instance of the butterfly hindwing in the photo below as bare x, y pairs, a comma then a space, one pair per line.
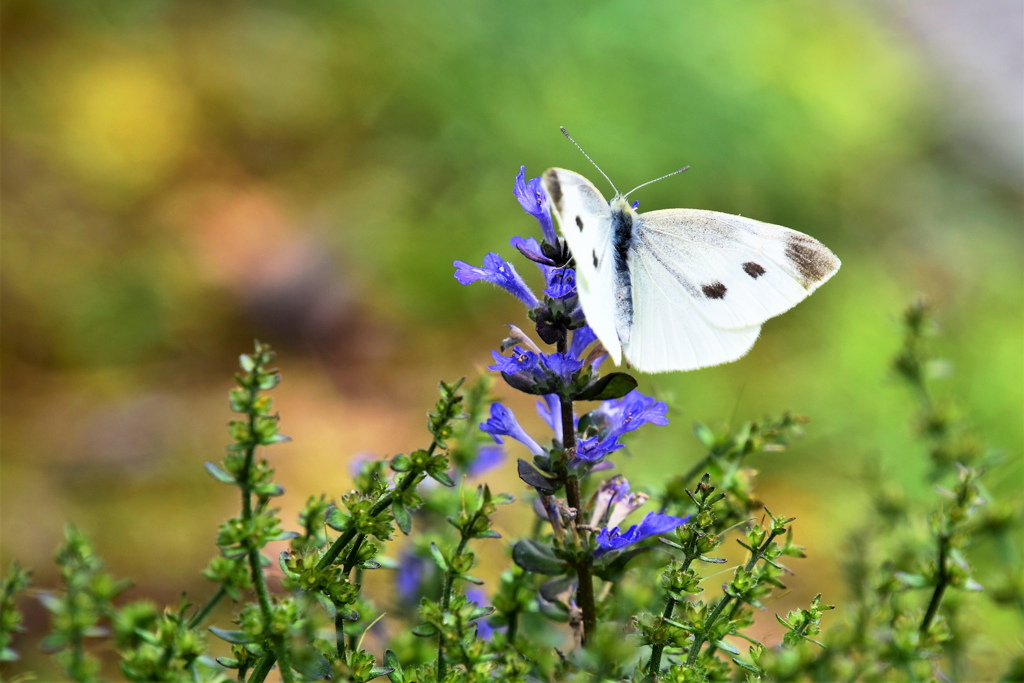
585, 221
738, 272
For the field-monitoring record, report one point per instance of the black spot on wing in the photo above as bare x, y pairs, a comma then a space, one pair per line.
595, 258
716, 290
754, 270
811, 259
579, 223
553, 187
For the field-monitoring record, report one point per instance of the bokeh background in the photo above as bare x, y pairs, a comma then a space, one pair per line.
181, 177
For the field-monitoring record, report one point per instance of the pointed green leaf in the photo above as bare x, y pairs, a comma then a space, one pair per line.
537, 558
234, 637
613, 385
391, 660
219, 474
402, 516
439, 557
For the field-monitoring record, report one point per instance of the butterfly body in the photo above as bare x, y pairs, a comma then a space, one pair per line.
679, 289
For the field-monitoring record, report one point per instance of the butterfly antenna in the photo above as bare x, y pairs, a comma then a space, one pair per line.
566, 134
667, 175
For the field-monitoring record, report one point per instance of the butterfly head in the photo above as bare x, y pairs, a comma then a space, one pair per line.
620, 203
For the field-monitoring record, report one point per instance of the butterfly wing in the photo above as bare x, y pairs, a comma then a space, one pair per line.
736, 271
704, 282
585, 220
669, 332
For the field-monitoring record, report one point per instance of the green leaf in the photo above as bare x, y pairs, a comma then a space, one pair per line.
401, 463
425, 630
312, 665
537, 558
235, 637
268, 490
704, 435
727, 647
402, 517
439, 557
913, 580
378, 671
442, 478
219, 474
614, 385
396, 675
336, 519
527, 386
536, 478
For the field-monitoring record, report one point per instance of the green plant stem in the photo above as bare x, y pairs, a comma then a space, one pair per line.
262, 668
654, 664
700, 638
585, 587
205, 610
380, 506
942, 580
446, 591
252, 551
328, 558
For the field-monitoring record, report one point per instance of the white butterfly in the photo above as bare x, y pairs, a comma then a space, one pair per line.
680, 289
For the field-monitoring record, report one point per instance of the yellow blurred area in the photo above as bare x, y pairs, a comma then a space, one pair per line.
121, 122
182, 177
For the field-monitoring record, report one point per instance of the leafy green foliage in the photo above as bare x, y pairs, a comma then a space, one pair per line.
909, 569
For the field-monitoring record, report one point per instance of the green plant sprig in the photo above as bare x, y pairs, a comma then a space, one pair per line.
695, 540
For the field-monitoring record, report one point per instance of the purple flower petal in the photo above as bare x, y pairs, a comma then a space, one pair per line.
632, 411
503, 423
550, 410
411, 571
534, 200
582, 337
530, 248
654, 524
593, 450
561, 283
521, 361
562, 365
498, 272
488, 457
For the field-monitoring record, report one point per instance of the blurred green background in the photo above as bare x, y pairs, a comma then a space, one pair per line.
181, 177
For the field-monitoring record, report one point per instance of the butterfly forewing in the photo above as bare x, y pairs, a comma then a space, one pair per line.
737, 271
585, 221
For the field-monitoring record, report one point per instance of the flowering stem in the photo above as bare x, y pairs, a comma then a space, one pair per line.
701, 637
585, 589
252, 549
691, 553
